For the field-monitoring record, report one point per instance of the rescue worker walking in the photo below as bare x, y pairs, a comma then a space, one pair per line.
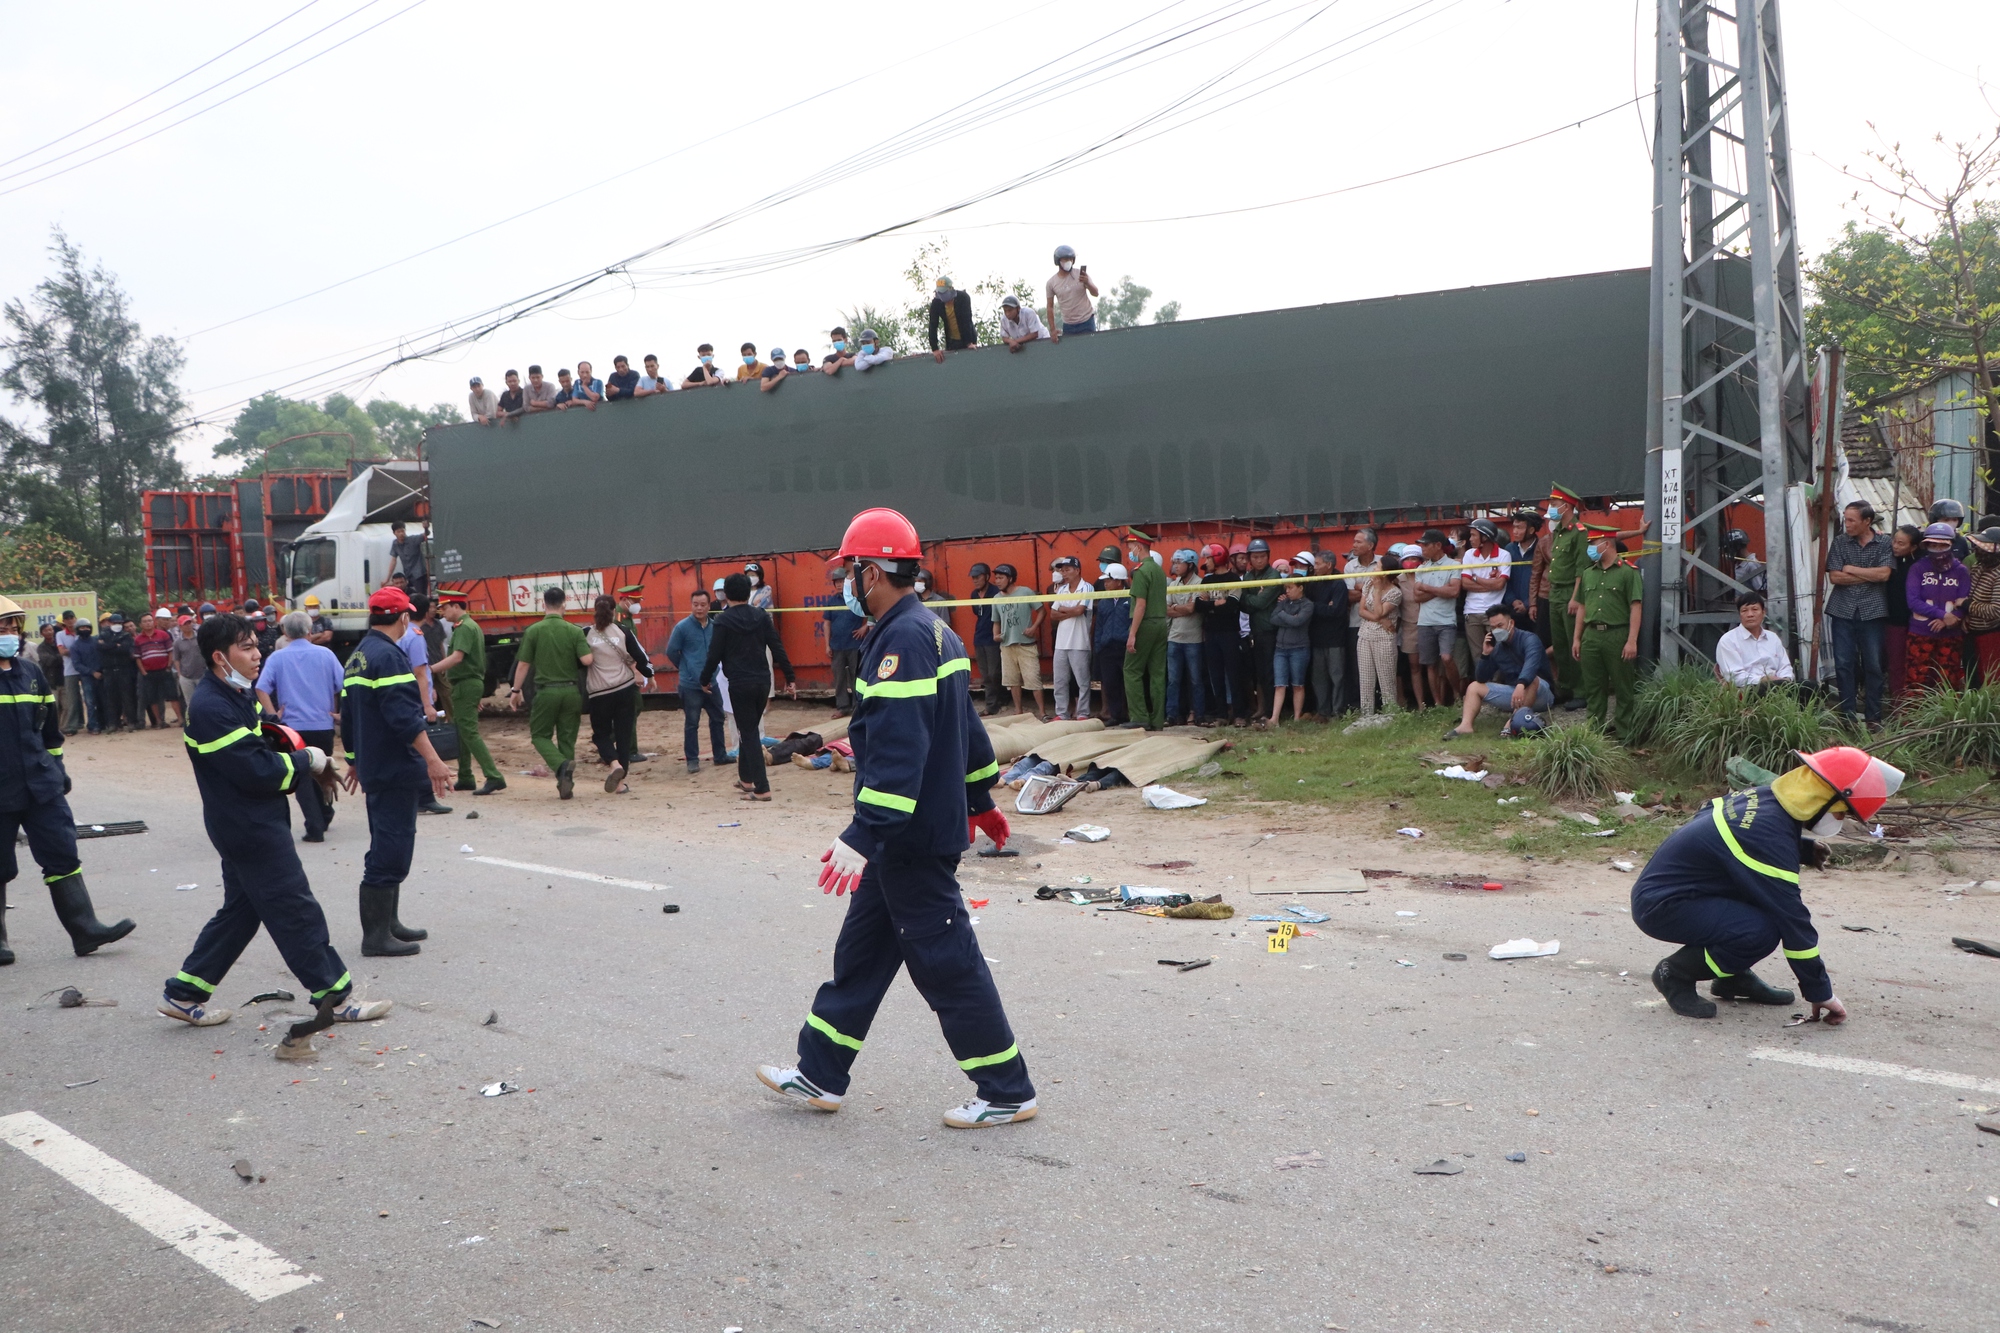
1146, 641
922, 773
33, 783
464, 668
1725, 886
390, 759
243, 783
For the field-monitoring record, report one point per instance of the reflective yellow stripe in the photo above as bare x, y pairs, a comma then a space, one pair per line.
291, 773
195, 982
890, 799
991, 770
27, 698
210, 747
1803, 953
57, 752
346, 980
983, 1060
1710, 960
910, 689
50, 879
833, 1034
350, 755
409, 679
956, 664
1736, 849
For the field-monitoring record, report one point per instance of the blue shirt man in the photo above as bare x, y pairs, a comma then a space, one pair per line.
687, 649
303, 682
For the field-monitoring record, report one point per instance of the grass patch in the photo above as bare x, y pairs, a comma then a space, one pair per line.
1947, 729
1700, 722
1574, 763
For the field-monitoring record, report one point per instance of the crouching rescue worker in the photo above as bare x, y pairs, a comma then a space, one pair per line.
244, 784
923, 770
1725, 886
33, 783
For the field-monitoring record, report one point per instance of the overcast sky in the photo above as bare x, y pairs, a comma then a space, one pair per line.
452, 116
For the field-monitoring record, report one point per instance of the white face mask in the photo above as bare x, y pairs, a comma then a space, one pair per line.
1067, 265
1828, 826
238, 679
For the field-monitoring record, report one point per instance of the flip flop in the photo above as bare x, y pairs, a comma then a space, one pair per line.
756, 796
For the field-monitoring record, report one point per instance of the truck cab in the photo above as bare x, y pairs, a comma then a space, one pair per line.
345, 556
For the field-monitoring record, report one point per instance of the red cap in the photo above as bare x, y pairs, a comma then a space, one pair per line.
881, 534
389, 601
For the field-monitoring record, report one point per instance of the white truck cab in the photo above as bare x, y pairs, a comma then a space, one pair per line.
345, 556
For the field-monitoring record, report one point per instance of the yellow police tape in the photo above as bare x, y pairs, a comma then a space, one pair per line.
1176, 590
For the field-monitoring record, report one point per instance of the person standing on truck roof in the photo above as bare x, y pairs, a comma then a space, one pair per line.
704, 375
1019, 324
464, 668
746, 645
554, 649
652, 382
541, 394
923, 776
1146, 641
951, 309
390, 760
752, 368
687, 649
776, 373
624, 381
585, 392
406, 553
484, 402
1069, 291
840, 355
513, 400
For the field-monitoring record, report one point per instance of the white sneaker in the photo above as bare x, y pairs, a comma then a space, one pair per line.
353, 1010
795, 1085
193, 1013
978, 1113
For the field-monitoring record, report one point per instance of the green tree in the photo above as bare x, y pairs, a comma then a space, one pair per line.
399, 427
1123, 303
104, 398
1917, 292
37, 558
283, 434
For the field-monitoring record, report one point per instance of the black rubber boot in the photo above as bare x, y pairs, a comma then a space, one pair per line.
396, 926
79, 918
1749, 986
378, 914
6, 954
1675, 977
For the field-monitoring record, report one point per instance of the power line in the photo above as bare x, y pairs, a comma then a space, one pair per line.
87, 125
202, 111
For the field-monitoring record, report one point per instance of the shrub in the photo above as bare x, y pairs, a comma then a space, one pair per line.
1946, 728
1715, 721
1662, 698
1573, 762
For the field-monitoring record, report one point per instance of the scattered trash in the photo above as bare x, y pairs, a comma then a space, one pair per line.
977, 902
1517, 1157
500, 1089
1208, 770
1492, 886
1089, 833
1625, 797
1307, 914
473, 1240
1440, 1167
244, 1171
1860, 930
991, 852
1152, 897
734, 823
1602, 833
69, 997
472, 814
1188, 966
1524, 948
1509, 800
1977, 946
1411, 832
1800, 1020
1404, 962
466, 848
1169, 865
670, 908
1990, 1126
1454, 958
492, 1018
183, 888
1293, 1161
1166, 798
1080, 879
86, 1083
1458, 771
1625, 866
111, 830
1582, 817
1200, 912
1973, 886
1406, 914
485, 1322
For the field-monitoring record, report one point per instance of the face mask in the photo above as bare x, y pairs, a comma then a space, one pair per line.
241, 682
1590, 553
867, 349
922, 586
708, 360
10, 645
1828, 826
1101, 567
840, 347
854, 603
802, 365
749, 360
1553, 514
1500, 635
1067, 265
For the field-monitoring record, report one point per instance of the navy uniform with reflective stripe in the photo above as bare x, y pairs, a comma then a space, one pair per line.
1728, 882
244, 784
381, 716
922, 766
31, 775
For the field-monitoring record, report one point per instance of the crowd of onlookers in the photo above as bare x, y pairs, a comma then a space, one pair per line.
952, 327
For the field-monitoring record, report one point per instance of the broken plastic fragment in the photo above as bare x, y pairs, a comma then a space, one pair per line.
1440, 1167
1524, 948
500, 1089
1411, 832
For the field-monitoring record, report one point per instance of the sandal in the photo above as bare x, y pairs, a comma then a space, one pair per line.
756, 796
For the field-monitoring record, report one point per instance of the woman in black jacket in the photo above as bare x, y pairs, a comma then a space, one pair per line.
737, 645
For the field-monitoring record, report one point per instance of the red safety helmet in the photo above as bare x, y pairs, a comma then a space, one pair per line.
281, 737
1214, 551
1859, 778
881, 534
1239, 549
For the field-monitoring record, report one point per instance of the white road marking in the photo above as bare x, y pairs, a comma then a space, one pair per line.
1944, 1078
585, 875
232, 1256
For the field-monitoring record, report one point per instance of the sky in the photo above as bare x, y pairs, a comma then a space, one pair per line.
566, 144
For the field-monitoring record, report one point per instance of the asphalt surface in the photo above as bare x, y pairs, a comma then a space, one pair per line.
643, 1180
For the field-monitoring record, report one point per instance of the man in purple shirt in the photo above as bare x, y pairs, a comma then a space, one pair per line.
1938, 587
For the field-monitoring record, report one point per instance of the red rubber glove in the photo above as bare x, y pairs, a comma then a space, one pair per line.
993, 822
843, 869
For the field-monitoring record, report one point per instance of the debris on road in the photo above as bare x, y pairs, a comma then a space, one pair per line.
1524, 948
1404, 962
492, 1018
1201, 911
1977, 946
1398, 914
1454, 958
500, 1089
1990, 1126
1457, 771
1169, 865
1860, 930
1303, 1157
244, 1171
1187, 966
1209, 769
1411, 832
992, 852
1625, 866
69, 997
1166, 798
485, 1322
1492, 886
670, 908
465, 848
1306, 914
1089, 833
86, 1083
472, 814
1441, 1167
110, 830
284, 995
734, 823
1517, 1157
1582, 817
183, 888
1800, 1020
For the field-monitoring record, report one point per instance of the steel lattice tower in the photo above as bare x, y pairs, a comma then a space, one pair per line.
1727, 360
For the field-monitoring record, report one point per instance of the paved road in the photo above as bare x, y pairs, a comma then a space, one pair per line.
642, 1180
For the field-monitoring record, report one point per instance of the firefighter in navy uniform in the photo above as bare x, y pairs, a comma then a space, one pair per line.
244, 783
390, 759
1725, 886
923, 770
32, 786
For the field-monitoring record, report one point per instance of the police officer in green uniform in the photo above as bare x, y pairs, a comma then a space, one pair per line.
557, 651
1146, 642
464, 669
1567, 540
1604, 611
